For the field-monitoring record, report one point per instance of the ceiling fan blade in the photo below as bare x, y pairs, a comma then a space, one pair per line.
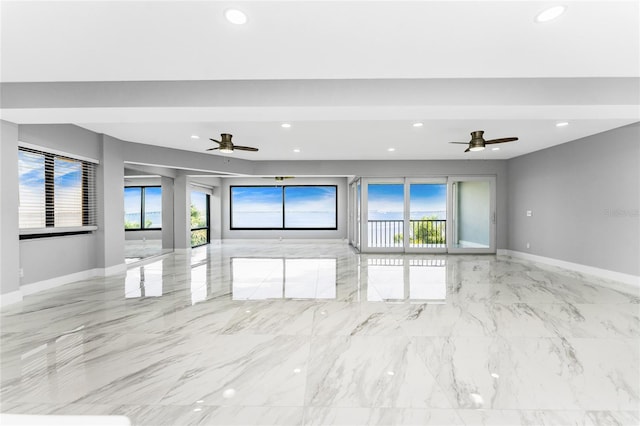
244, 148
467, 150
213, 149
502, 140
214, 140
462, 143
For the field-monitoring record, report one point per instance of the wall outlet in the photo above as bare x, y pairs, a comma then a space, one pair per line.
528, 245
529, 213
21, 273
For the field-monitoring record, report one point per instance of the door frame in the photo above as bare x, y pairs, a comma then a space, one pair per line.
452, 212
364, 190
407, 213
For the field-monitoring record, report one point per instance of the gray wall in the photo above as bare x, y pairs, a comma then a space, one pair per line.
46, 258
167, 212
110, 183
9, 243
340, 233
474, 209
182, 213
584, 197
62, 137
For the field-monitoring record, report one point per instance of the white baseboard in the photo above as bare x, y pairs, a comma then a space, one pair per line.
469, 244
43, 285
10, 298
286, 240
39, 286
632, 281
111, 270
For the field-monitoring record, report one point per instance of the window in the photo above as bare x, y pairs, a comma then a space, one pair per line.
142, 207
199, 218
284, 207
57, 193
255, 207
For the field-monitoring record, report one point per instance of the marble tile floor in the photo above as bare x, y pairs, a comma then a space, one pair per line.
137, 250
316, 334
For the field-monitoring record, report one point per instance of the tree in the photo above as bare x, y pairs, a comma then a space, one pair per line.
198, 237
128, 224
428, 230
197, 221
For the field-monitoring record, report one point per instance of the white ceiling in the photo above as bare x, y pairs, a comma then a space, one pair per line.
350, 76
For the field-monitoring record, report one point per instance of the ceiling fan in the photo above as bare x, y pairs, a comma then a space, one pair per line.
477, 142
226, 146
279, 178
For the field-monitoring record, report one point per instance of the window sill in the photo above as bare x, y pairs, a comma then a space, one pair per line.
31, 233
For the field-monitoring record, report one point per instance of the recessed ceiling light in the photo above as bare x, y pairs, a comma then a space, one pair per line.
235, 16
296, 150
418, 124
550, 14
195, 137
391, 149
495, 149
390, 373
562, 124
285, 125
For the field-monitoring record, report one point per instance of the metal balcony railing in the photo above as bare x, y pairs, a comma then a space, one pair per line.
424, 233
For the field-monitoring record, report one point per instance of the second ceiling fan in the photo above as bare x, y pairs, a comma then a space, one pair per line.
477, 142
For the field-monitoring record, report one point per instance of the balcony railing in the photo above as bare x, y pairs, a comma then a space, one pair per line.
423, 233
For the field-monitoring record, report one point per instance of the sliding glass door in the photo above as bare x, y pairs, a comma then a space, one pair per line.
438, 215
355, 215
426, 224
473, 207
385, 215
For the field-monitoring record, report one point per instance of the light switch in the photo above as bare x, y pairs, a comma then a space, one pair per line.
529, 213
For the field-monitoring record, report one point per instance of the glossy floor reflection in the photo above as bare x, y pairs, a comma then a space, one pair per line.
292, 334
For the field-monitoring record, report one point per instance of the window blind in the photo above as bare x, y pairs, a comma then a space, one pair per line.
55, 191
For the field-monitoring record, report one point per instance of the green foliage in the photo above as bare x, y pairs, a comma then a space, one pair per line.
148, 223
426, 231
199, 237
197, 219
131, 225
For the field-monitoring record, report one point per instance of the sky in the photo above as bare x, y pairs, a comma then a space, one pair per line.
152, 204
305, 206
67, 189
132, 200
389, 198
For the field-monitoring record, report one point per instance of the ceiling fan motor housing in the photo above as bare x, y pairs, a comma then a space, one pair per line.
476, 139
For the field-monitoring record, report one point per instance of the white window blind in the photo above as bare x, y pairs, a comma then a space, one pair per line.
57, 193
